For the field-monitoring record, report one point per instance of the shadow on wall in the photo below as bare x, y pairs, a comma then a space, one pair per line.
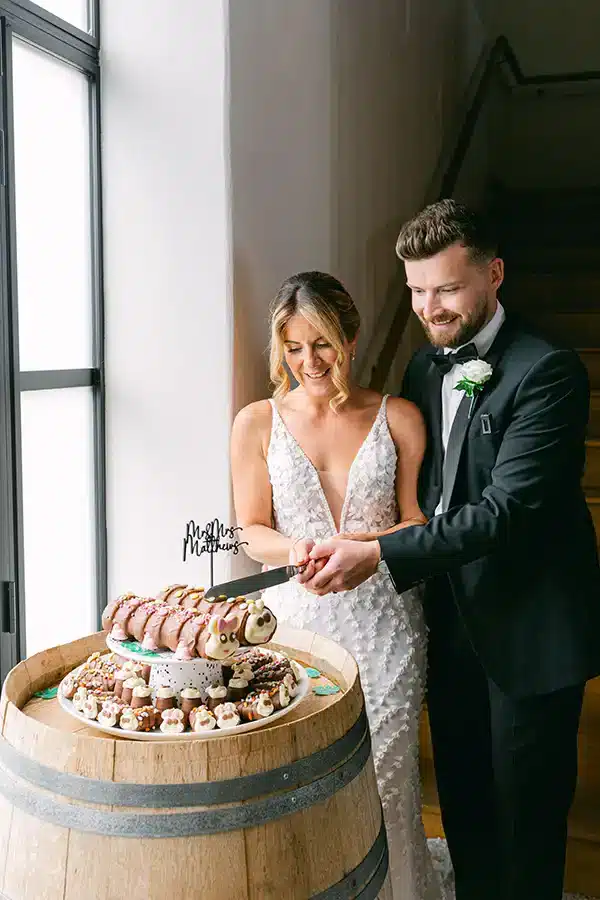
250, 337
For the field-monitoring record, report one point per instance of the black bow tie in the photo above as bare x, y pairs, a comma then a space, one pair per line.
446, 361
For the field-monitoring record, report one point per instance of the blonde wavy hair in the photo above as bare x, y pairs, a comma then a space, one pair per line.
327, 305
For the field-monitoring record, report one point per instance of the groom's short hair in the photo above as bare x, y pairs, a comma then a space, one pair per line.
442, 224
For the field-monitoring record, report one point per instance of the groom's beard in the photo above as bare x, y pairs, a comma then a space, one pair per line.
469, 326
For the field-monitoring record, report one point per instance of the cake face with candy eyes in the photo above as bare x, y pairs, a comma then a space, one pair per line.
260, 624
222, 642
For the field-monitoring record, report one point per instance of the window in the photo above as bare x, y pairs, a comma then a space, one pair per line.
52, 519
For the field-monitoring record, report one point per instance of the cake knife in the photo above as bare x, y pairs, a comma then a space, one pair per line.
253, 583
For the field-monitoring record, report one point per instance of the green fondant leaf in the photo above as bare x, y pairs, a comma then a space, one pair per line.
324, 689
313, 673
47, 693
136, 647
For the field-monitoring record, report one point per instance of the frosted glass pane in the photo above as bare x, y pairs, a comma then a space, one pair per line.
52, 186
58, 516
73, 11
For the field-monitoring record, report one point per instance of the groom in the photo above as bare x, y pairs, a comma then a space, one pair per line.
509, 561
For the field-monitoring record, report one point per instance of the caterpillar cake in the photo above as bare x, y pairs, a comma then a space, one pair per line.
181, 619
258, 682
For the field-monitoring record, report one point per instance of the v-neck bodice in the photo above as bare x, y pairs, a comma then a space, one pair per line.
300, 506
383, 630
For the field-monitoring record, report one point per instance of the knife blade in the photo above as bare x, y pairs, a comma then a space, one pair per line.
253, 583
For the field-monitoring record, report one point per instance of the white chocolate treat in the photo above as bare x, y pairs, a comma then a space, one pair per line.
217, 691
79, 698
264, 707
68, 687
172, 721
284, 695
222, 642
165, 692
224, 709
118, 634
142, 690
238, 683
228, 719
204, 720
120, 678
243, 670
90, 707
190, 693
133, 682
109, 714
148, 643
291, 684
296, 669
131, 666
261, 623
128, 720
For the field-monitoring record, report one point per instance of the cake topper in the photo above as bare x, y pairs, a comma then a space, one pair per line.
213, 538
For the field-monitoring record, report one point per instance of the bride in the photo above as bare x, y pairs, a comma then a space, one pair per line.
332, 458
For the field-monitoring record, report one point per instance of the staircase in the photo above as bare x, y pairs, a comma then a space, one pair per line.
552, 253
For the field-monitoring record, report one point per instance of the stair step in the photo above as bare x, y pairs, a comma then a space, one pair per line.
590, 356
582, 868
583, 847
593, 502
591, 476
534, 292
537, 202
547, 257
570, 329
593, 430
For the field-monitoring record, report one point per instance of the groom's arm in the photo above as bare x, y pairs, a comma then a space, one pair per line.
543, 449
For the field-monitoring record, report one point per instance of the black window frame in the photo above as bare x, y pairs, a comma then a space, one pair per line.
31, 23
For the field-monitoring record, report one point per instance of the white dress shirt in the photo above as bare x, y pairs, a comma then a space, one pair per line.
451, 398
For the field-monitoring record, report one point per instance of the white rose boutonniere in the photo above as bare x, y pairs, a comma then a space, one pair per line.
473, 375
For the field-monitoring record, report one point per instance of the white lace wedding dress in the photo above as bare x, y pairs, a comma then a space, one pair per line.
383, 630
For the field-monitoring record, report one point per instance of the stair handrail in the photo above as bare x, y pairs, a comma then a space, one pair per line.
499, 51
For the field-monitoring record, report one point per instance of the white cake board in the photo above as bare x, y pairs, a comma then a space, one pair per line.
169, 671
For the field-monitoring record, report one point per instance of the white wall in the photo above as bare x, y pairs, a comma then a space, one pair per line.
281, 134
168, 293
336, 119
339, 108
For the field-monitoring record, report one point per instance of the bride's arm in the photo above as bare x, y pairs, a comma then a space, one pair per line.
252, 488
408, 433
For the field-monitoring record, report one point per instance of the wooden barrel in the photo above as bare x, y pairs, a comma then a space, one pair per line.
285, 812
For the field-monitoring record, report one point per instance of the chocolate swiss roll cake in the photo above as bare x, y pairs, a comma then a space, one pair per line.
139, 619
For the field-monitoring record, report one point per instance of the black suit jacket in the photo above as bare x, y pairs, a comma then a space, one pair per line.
517, 542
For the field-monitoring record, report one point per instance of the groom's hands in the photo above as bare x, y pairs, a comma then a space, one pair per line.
347, 564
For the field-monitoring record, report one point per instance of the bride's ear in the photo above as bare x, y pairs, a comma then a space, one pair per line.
353, 343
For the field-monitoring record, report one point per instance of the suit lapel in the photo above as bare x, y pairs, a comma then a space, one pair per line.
462, 420
454, 449
433, 398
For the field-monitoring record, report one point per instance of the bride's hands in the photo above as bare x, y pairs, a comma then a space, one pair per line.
300, 555
300, 551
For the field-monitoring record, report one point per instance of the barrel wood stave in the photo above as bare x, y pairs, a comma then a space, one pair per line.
231, 865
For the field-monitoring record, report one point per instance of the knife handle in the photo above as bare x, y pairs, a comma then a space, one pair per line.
294, 570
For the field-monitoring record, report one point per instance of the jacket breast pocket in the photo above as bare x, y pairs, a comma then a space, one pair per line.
485, 438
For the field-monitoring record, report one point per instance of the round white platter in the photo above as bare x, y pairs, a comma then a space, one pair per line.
303, 690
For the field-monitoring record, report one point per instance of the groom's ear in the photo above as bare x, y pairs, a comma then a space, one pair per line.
496, 272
